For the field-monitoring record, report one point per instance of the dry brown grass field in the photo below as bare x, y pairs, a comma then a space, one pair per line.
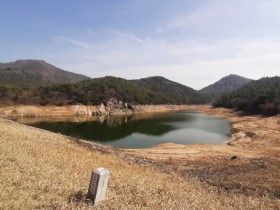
43, 170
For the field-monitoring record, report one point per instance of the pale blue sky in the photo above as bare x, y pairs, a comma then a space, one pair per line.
193, 42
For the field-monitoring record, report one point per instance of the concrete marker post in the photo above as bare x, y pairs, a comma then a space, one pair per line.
98, 185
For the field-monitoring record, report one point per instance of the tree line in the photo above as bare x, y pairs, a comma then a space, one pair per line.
258, 97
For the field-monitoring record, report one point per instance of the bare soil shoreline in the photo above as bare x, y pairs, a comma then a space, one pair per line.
247, 166
76, 110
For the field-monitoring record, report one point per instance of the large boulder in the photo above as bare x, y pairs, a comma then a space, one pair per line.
115, 106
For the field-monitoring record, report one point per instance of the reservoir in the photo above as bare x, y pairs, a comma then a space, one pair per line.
139, 130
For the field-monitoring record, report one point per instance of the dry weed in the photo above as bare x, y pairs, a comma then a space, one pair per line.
43, 170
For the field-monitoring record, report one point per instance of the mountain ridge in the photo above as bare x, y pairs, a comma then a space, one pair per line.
257, 97
152, 90
54, 86
226, 84
99, 90
175, 90
35, 72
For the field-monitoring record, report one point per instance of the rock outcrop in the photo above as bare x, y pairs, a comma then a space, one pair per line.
115, 106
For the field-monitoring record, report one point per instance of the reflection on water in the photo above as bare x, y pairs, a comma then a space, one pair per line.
139, 130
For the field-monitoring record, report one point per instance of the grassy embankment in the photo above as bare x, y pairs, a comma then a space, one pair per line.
43, 170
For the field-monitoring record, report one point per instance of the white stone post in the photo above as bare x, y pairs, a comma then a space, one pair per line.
98, 184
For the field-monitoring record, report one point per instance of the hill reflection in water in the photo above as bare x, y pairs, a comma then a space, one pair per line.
139, 130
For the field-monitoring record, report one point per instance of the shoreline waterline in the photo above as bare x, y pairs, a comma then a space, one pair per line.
255, 146
139, 130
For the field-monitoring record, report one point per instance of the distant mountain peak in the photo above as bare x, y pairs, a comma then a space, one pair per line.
257, 97
31, 71
29, 60
158, 79
226, 84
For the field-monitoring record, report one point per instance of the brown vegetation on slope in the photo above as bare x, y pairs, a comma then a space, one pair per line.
43, 170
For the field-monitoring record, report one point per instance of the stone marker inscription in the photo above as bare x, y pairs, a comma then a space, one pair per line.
98, 184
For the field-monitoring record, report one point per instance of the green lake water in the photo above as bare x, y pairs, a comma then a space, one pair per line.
141, 130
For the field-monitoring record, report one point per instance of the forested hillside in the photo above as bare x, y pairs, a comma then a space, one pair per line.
167, 91
258, 97
35, 72
225, 85
153, 90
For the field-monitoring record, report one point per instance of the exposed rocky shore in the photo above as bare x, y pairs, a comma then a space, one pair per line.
115, 106
248, 164
45, 170
243, 165
112, 107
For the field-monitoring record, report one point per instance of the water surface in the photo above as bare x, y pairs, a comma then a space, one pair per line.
141, 130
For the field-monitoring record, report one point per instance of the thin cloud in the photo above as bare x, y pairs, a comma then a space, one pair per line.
130, 56
181, 40
71, 41
219, 18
